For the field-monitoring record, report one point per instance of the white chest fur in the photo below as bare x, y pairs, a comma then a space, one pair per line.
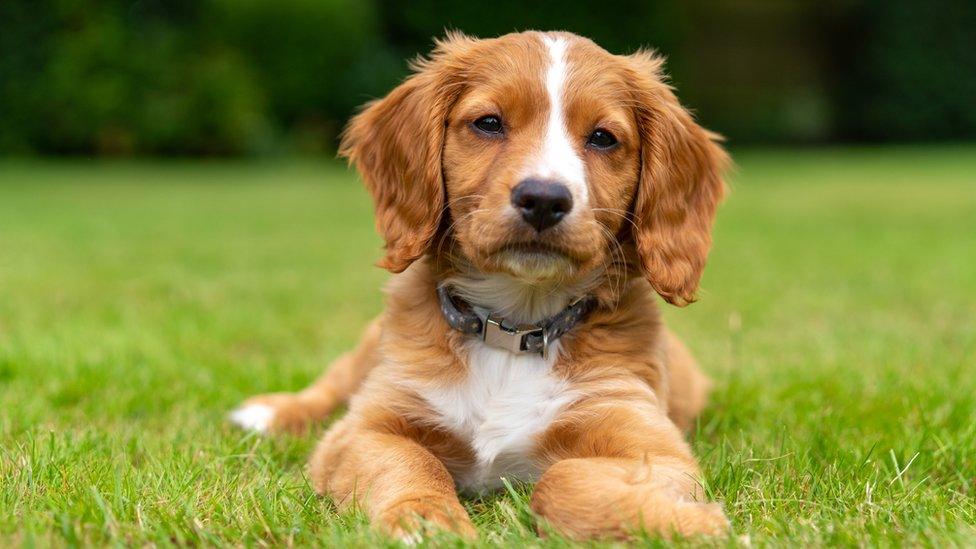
506, 401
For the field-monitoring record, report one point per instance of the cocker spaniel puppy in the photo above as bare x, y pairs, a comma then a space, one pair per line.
535, 192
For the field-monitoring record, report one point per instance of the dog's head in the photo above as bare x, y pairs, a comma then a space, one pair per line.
541, 155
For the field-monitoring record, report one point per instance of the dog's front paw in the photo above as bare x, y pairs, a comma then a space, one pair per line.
274, 412
414, 520
253, 417
694, 519
606, 499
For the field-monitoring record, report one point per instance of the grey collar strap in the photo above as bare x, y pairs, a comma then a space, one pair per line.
522, 338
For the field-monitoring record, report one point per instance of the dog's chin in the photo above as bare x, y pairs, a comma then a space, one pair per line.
535, 262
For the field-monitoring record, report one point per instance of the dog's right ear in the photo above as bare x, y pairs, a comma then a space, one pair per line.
396, 144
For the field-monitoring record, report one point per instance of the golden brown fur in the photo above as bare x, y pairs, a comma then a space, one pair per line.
614, 459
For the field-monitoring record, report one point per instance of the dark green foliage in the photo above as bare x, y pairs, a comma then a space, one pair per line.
246, 77
912, 73
217, 77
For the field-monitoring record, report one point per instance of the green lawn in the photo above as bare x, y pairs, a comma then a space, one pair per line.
139, 302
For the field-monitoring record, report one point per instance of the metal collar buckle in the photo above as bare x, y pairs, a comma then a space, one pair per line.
497, 334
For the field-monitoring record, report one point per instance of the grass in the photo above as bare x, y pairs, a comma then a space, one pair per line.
139, 302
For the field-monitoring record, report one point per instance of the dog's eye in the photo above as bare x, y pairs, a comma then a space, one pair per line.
601, 139
489, 124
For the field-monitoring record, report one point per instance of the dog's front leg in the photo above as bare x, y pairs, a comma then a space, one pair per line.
618, 469
404, 489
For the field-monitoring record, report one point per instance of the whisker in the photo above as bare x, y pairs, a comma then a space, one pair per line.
617, 259
454, 223
625, 215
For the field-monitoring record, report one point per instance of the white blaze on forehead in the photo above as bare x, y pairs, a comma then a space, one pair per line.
557, 158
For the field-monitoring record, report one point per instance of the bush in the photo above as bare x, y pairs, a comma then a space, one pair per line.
225, 77
245, 77
909, 71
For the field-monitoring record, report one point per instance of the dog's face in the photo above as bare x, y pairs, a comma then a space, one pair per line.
542, 156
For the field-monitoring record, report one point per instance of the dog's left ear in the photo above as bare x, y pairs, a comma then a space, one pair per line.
680, 185
396, 145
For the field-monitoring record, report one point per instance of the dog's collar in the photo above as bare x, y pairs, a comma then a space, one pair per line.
497, 332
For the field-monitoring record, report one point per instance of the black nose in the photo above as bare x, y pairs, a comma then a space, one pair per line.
542, 203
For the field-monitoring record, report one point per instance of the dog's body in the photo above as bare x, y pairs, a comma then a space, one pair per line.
597, 418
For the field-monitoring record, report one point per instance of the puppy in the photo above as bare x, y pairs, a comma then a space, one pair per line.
534, 192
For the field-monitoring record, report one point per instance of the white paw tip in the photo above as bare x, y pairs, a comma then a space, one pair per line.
412, 539
253, 417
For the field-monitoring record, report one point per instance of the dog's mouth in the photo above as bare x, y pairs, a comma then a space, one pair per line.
535, 260
534, 248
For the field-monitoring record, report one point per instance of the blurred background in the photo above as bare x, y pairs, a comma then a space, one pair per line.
278, 77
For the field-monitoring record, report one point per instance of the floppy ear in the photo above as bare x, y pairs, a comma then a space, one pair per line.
396, 145
679, 188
